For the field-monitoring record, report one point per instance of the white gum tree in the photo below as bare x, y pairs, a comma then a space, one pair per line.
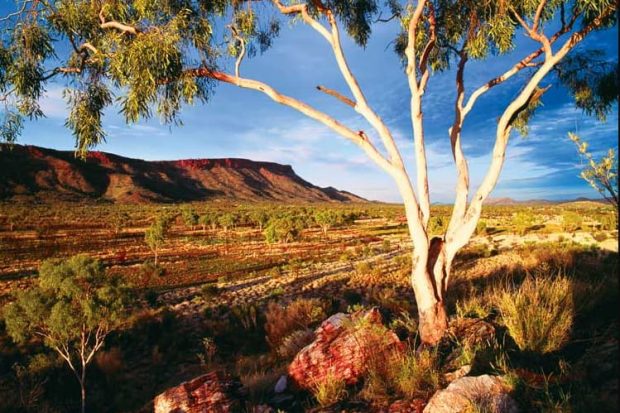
158, 55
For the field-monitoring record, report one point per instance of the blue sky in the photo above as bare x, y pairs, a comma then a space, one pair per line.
247, 124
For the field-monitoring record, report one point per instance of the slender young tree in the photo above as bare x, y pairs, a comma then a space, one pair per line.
157, 55
72, 310
601, 175
156, 234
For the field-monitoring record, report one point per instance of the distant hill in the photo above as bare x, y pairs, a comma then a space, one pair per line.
35, 173
510, 201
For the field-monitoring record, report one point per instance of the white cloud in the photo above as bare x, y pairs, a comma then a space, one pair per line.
52, 103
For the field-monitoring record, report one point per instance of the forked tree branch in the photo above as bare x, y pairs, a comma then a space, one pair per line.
522, 64
417, 213
533, 32
302, 10
504, 126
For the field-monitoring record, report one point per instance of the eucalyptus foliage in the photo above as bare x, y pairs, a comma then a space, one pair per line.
142, 56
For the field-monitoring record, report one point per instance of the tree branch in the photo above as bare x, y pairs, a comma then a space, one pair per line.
428, 48
115, 25
397, 168
240, 39
539, 11
532, 32
462, 185
337, 95
302, 9
417, 90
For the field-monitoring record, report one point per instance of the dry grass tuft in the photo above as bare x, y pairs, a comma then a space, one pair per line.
407, 374
329, 391
281, 321
539, 314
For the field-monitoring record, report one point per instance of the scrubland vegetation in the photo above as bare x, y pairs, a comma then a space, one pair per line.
241, 288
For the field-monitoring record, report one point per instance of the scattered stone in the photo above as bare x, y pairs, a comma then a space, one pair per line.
486, 392
213, 392
342, 349
281, 384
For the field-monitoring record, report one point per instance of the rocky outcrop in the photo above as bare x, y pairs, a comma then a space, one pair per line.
214, 392
488, 393
31, 172
343, 348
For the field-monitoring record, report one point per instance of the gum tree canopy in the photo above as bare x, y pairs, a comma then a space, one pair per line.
153, 56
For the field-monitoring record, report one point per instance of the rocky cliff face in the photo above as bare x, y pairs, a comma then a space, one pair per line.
30, 172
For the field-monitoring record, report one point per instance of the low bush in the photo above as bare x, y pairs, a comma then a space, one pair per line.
294, 342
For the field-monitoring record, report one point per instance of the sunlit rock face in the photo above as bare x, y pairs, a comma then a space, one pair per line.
214, 392
343, 349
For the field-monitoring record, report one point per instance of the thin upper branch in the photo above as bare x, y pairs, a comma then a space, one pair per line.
538, 14
18, 12
533, 32
361, 103
337, 95
241, 41
462, 185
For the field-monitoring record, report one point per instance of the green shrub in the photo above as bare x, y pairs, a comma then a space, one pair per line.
571, 221
150, 270
209, 291
539, 314
523, 221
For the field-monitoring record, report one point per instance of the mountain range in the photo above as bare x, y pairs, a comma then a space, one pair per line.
35, 173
